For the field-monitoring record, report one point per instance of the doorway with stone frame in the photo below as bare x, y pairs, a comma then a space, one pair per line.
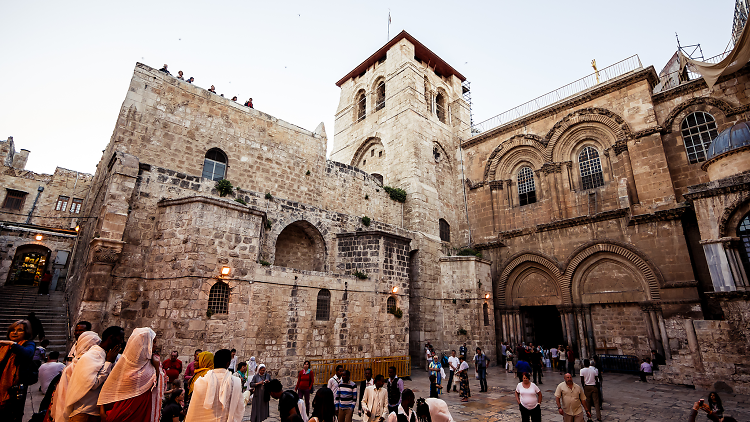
542, 325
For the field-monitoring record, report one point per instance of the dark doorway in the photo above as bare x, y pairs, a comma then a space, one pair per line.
28, 265
542, 325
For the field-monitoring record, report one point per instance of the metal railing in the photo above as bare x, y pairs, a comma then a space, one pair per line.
678, 77
620, 363
325, 368
587, 82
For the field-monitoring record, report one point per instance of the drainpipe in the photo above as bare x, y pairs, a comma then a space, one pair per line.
39, 191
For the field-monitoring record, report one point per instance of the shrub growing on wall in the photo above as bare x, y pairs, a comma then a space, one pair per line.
224, 187
396, 194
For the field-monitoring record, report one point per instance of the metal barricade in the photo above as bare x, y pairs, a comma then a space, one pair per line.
325, 368
620, 363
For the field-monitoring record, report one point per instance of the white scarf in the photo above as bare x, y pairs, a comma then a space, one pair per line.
86, 341
226, 387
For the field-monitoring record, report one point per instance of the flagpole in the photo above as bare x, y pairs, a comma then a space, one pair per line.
389, 26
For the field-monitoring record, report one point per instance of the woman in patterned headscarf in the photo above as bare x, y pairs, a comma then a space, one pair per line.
205, 364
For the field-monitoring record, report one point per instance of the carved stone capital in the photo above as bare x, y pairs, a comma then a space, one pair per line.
105, 251
620, 146
549, 168
496, 185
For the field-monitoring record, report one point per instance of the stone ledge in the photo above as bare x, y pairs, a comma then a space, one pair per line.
373, 233
662, 215
210, 201
455, 258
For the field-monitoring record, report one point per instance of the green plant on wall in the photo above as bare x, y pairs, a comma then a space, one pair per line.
224, 187
469, 252
240, 200
398, 313
264, 263
397, 194
366, 221
209, 312
269, 196
360, 275
462, 332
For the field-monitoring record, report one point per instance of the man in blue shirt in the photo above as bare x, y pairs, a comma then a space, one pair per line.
480, 360
521, 367
346, 398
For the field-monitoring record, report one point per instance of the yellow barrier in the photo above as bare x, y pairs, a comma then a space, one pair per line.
325, 368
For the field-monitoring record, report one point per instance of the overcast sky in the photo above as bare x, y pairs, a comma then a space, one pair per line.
66, 66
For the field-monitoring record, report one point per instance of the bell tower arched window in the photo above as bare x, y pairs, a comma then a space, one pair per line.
215, 164
698, 130
380, 95
323, 309
591, 168
445, 231
360, 105
440, 107
526, 187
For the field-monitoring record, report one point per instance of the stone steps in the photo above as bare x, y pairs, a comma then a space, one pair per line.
17, 301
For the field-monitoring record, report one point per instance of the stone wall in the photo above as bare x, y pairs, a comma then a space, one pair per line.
620, 329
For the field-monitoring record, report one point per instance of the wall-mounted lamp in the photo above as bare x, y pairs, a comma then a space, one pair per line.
225, 271
486, 295
394, 290
78, 228
39, 237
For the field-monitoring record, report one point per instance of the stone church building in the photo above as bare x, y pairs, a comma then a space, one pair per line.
606, 220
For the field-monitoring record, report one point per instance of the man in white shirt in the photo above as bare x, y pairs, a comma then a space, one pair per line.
217, 396
553, 353
49, 370
233, 362
334, 381
375, 401
405, 411
81, 328
89, 375
453, 366
589, 378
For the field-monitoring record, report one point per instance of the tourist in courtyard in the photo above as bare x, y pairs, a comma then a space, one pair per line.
172, 409
40, 353
571, 358
701, 405
368, 381
80, 328
537, 363
17, 352
436, 369
259, 410
453, 363
233, 362
191, 367
434, 386
205, 364
509, 360
404, 412
217, 395
589, 380
463, 375
252, 369
288, 407
172, 366
44, 283
480, 363
562, 363
646, 369
395, 388
85, 341
571, 400
305, 382
49, 370
714, 402
323, 408
275, 390
428, 356
598, 365
375, 400
346, 398
241, 373
553, 357
529, 398
334, 381
90, 375
463, 350
433, 410
521, 367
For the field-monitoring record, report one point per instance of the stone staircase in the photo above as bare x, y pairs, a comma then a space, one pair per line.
17, 301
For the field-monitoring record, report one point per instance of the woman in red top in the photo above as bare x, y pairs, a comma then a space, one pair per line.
305, 381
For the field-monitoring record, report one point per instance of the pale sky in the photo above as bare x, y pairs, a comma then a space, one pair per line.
66, 66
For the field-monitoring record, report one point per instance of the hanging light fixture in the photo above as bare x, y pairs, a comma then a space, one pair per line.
39, 237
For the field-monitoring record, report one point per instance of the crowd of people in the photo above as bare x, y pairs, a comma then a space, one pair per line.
190, 80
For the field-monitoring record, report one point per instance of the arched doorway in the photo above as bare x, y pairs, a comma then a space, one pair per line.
29, 264
300, 246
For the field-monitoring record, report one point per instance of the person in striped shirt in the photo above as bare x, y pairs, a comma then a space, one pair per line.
346, 398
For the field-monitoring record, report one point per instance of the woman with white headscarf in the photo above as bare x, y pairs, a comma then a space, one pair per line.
259, 411
60, 412
252, 368
135, 388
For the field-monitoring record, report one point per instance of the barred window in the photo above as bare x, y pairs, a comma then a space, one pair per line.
445, 231
215, 164
743, 232
591, 168
391, 304
75, 207
323, 310
14, 199
218, 298
361, 106
380, 102
526, 187
698, 130
62, 203
486, 311
440, 107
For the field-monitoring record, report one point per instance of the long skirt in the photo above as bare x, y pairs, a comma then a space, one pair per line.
464, 391
259, 410
137, 409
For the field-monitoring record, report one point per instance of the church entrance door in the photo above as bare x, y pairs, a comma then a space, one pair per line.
542, 325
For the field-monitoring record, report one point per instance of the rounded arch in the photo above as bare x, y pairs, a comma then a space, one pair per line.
378, 88
28, 265
571, 142
516, 266
371, 156
360, 105
733, 214
718, 108
533, 141
215, 164
616, 125
300, 246
625, 258
515, 158
440, 154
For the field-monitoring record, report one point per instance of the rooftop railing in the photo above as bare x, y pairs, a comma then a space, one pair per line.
587, 82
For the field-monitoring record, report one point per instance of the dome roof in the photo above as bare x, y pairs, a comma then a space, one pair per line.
735, 137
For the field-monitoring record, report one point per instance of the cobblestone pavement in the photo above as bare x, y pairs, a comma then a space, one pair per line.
625, 399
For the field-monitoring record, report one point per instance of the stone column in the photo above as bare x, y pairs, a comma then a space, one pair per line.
564, 325
496, 198
581, 323
735, 262
693, 345
590, 330
102, 259
519, 325
657, 331
664, 338
645, 307
572, 338
621, 147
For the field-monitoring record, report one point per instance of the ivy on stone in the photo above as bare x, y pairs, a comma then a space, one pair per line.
397, 194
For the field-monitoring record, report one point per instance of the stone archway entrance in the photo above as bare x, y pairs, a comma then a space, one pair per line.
542, 325
29, 264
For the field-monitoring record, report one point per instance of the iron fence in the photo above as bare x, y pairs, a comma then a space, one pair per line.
325, 368
620, 363
678, 77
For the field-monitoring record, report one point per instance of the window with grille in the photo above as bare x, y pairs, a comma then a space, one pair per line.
14, 199
591, 168
391, 304
75, 206
526, 187
380, 102
486, 310
215, 164
218, 298
445, 231
743, 232
698, 130
62, 203
323, 310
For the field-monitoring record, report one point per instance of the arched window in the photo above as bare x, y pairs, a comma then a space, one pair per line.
591, 168
743, 232
526, 187
445, 231
323, 311
390, 304
361, 105
486, 311
215, 164
380, 99
218, 298
427, 95
698, 130
440, 107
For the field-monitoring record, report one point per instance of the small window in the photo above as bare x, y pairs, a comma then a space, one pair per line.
698, 130
591, 168
440, 107
390, 304
526, 187
215, 164
62, 203
445, 231
361, 106
323, 310
14, 199
380, 153
218, 298
75, 207
380, 102
372, 153
486, 311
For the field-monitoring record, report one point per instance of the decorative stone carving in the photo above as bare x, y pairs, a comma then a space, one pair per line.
620, 146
